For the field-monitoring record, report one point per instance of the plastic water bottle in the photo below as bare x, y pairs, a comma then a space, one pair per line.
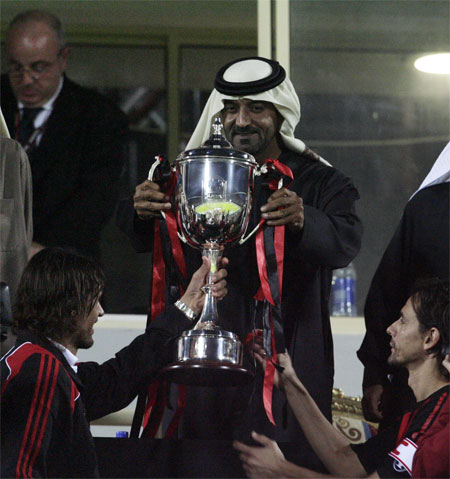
343, 292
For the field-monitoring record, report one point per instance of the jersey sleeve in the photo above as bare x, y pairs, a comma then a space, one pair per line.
373, 454
111, 386
432, 457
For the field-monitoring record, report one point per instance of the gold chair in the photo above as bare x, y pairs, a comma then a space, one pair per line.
349, 419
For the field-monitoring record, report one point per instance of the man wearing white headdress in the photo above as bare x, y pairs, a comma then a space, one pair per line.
260, 109
418, 249
243, 80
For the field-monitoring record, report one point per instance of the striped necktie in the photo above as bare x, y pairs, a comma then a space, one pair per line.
26, 124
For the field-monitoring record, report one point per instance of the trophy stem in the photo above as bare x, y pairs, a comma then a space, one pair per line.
209, 316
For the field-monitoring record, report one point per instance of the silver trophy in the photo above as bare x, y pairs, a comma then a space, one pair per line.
213, 200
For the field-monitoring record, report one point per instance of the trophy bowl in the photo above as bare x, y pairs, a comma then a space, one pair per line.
213, 200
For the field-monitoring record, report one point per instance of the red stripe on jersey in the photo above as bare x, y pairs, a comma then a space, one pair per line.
19, 472
37, 419
432, 416
75, 394
44, 389
15, 360
54, 364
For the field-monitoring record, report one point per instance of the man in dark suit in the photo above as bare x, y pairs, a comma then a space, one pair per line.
74, 137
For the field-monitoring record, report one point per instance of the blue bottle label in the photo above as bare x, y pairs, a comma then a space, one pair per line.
343, 297
339, 297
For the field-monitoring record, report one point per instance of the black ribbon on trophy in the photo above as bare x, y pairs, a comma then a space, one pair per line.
169, 281
270, 257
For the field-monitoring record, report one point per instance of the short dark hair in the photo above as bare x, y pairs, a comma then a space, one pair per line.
41, 16
430, 299
57, 287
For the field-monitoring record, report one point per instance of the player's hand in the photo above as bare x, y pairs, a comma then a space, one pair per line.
283, 359
149, 200
284, 207
261, 461
194, 297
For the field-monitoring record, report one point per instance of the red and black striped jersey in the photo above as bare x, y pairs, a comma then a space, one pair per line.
417, 446
43, 418
46, 407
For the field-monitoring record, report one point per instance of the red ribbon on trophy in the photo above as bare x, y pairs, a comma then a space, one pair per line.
165, 236
270, 258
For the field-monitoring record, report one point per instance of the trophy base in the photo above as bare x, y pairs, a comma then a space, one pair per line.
207, 373
208, 357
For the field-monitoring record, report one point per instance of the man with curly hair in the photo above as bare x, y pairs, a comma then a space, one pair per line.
48, 398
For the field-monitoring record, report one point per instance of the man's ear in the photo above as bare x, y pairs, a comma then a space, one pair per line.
64, 55
431, 338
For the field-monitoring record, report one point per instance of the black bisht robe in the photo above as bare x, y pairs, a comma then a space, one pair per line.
330, 239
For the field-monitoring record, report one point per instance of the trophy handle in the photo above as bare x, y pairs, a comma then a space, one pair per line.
209, 314
151, 173
255, 229
181, 236
262, 170
152, 169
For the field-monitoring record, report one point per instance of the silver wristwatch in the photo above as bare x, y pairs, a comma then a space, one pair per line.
186, 310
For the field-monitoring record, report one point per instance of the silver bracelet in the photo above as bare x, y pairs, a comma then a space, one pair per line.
186, 310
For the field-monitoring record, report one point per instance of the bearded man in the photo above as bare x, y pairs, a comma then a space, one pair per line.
259, 109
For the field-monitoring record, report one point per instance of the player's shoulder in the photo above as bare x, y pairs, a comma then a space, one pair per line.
30, 361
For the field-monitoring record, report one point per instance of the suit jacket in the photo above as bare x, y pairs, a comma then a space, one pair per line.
76, 166
330, 239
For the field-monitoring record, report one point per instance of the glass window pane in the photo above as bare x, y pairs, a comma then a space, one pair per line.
197, 83
135, 78
364, 106
117, 66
